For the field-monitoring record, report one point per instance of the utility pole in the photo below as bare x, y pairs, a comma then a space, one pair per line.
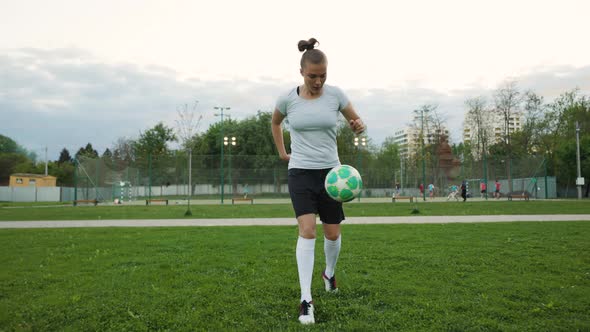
46, 160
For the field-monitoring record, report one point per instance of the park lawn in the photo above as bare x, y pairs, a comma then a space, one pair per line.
286, 211
501, 276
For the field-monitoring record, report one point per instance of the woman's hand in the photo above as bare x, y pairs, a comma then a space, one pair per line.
285, 157
357, 126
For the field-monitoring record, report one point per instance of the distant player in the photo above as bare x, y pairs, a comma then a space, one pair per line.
313, 110
497, 191
483, 188
453, 193
464, 190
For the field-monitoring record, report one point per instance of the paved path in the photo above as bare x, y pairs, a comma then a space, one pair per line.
288, 221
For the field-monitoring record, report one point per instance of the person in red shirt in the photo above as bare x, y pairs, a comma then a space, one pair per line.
497, 192
483, 188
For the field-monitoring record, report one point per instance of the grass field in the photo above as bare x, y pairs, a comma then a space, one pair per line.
454, 277
286, 211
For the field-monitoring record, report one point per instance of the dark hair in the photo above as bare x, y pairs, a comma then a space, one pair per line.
310, 54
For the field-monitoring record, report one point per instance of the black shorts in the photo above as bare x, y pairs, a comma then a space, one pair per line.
308, 195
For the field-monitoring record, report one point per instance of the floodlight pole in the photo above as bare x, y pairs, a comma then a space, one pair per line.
578, 184
423, 157
229, 142
221, 109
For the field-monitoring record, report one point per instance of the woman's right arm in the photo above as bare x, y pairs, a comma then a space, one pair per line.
277, 134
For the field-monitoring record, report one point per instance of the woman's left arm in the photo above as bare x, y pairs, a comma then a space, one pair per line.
354, 121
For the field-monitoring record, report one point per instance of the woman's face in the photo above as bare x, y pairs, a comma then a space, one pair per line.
314, 76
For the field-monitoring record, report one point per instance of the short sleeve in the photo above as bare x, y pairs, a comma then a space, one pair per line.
342, 98
282, 104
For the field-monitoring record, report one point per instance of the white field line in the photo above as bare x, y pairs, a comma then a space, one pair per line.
290, 221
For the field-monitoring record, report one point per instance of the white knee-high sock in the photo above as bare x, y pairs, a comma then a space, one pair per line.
331, 250
305, 259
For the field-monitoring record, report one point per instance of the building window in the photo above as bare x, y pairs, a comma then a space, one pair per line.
19, 181
32, 181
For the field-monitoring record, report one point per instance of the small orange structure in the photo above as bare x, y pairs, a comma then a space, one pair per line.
32, 180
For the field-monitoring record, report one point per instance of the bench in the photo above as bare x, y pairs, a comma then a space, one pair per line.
511, 196
410, 198
92, 201
242, 199
148, 201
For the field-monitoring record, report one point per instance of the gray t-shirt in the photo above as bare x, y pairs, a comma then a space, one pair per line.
313, 125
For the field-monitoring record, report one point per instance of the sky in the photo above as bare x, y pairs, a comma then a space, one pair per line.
77, 71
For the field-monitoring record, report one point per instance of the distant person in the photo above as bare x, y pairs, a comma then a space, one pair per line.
431, 190
421, 188
397, 186
497, 191
246, 191
313, 110
464, 190
453, 193
483, 188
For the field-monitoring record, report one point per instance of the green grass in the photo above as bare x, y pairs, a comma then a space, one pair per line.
455, 277
286, 211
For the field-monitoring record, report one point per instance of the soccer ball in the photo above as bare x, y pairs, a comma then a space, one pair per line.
343, 183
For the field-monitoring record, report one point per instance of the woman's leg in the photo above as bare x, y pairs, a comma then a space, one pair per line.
332, 243
305, 253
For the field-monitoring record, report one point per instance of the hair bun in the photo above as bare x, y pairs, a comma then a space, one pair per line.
306, 45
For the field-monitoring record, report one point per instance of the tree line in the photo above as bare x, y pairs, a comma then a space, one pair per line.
548, 130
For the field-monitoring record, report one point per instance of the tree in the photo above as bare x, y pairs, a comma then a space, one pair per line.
559, 138
64, 156
87, 152
187, 125
154, 141
388, 161
123, 152
107, 154
507, 100
7, 145
9, 163
478, 120
529, 136
345, 139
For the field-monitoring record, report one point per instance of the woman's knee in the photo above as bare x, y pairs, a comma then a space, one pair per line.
331, 232
307, 232
307, 226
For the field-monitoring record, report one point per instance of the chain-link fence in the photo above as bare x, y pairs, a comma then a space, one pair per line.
266, 176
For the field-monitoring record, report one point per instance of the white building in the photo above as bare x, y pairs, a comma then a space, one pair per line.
408, 138
493, 128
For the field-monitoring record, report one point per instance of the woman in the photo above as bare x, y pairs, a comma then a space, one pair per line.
312, 110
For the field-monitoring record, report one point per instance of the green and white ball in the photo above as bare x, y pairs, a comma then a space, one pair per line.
343, 183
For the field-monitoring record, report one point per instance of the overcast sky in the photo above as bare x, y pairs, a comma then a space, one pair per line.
73, 72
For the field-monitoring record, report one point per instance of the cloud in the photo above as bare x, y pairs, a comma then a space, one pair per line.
67, 98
